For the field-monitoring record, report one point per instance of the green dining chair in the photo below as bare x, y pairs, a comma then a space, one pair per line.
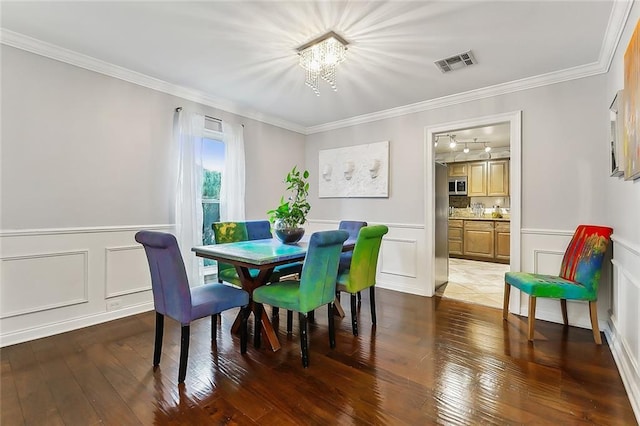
578, 280
316, 287
362, 271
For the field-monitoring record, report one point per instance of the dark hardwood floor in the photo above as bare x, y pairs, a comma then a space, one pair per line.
430, 361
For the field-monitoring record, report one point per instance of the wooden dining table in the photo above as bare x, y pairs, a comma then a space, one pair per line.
263, 255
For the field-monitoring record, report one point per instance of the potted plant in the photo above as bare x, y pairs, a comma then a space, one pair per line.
291, 214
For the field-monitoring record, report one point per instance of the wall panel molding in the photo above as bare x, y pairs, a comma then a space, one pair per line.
389, 224
40, 278
84, 230
626, 244
540, 231
118, 269
406, 249
537, 260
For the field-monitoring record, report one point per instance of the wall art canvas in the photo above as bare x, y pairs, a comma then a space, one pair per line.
631, 115
354, 171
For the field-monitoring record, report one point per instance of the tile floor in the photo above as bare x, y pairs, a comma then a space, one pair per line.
475, 282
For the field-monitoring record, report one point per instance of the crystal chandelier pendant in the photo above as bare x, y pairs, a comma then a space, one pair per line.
320, 58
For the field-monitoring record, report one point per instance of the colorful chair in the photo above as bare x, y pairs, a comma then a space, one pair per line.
231, 232
578, 280
173, 297
316, 287
352, 227
362, 271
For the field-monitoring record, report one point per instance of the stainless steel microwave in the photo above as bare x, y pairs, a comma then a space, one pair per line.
458, 186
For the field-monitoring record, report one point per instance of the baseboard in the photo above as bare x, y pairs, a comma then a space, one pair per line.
72, 324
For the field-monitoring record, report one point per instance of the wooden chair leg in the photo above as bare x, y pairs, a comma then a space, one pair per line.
257, 329
372, 301
289, 322
563, 306
244, 312
275, 311
184, 353
593, 313
332, 328
303, 339
532, 317
354, 315
157, 350
505, 303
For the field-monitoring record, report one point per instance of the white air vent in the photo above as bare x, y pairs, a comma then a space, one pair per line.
456, 62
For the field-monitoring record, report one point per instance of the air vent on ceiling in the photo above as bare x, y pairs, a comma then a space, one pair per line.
456, 62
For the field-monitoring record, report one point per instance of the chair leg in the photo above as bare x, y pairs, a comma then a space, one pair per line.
214, 326
532, 317
563, 306
289, 322
593, 313
359, 299
332, 327
311, 316
275, 311
372, 301
244, 313
157, 350
354, 315
303, 339
505, 303
257, 329
184, 353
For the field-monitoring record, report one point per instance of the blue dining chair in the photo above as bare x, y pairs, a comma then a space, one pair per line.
173, 297
316, 287
352, 227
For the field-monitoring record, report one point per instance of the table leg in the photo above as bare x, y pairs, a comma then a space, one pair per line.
337, 309
249, 284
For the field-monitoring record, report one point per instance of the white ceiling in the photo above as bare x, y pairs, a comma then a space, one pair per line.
242, 54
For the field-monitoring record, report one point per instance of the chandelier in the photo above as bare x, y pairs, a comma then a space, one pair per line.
320, 58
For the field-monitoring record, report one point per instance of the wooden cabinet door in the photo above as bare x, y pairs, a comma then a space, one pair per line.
477, 179
479, 238
457, 169
455, 236
503, 244
498, 178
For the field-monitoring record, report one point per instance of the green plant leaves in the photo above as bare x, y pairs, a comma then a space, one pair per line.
293, 212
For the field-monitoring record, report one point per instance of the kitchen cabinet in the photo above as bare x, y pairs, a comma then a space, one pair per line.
478, 239
457, 169
455, 236
502, 238
488, 178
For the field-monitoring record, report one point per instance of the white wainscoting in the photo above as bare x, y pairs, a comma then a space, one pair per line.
402, 262
57, 280
623, 333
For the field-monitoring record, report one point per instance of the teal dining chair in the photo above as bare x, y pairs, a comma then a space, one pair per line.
362, 271
173, 297
315, 288
578, 280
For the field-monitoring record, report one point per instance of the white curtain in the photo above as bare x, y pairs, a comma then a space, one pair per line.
188, 130
233, 176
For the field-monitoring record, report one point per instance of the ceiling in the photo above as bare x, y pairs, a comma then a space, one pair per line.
241, 55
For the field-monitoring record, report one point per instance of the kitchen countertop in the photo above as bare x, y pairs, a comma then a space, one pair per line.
497, 219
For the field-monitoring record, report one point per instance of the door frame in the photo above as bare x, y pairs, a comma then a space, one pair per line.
515, 184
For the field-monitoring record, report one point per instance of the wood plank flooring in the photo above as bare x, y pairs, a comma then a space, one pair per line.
428, 361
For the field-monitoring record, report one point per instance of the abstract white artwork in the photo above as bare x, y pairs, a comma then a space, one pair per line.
354, 171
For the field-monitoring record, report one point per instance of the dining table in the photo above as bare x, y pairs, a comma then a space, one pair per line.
263, 256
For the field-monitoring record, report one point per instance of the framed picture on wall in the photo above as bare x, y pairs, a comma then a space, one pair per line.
615, 136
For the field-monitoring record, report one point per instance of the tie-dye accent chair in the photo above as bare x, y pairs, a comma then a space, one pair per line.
578, 280
317, 287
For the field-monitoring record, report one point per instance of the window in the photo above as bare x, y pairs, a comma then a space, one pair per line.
213, 157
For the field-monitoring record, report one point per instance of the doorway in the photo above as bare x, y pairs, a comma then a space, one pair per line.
477, 278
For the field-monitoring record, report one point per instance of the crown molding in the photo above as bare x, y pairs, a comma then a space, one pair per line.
39, 47
617, 19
